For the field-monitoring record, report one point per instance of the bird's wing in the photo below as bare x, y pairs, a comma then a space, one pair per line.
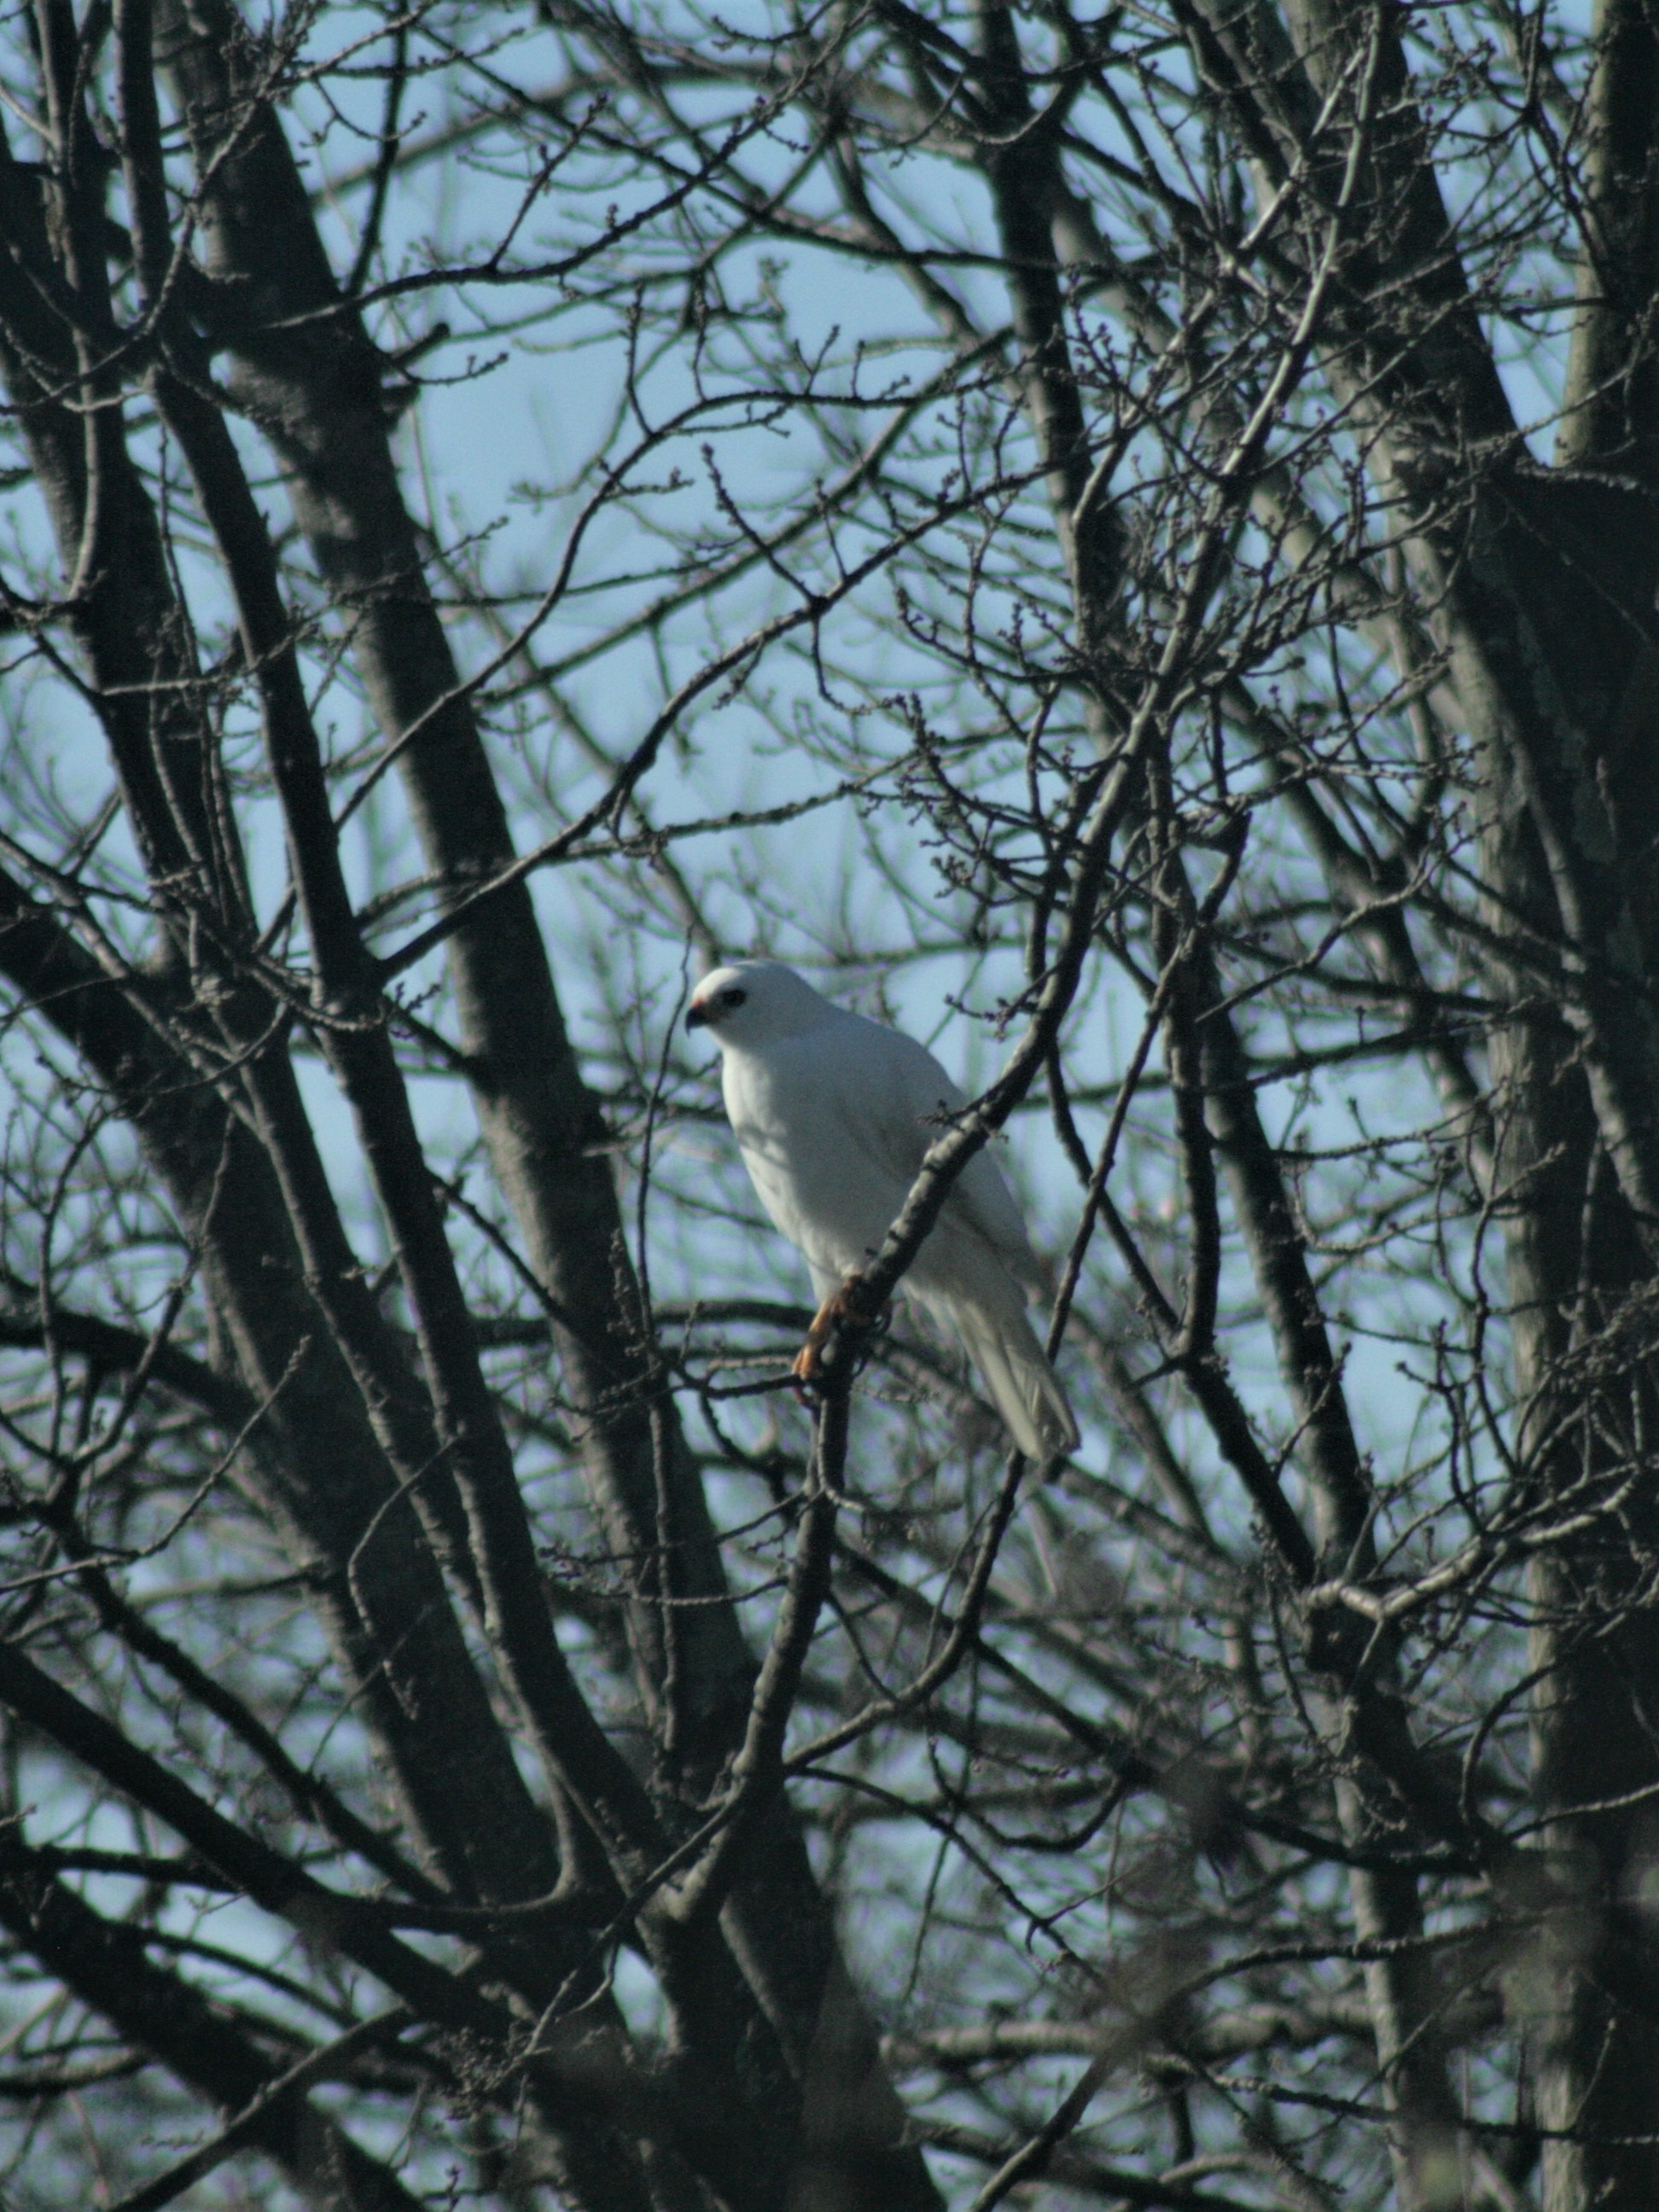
897, 1101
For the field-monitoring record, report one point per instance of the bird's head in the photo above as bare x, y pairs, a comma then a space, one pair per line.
752, 1003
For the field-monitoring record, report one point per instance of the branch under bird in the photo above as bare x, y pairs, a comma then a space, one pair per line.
833, 1115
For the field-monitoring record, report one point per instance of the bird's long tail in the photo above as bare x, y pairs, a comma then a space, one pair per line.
1024, 1387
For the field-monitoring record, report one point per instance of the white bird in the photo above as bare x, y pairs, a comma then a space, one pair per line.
833, 1115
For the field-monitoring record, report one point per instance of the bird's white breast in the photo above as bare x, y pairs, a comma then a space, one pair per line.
796, 1110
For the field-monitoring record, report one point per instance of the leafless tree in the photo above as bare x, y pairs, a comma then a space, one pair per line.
1124, 543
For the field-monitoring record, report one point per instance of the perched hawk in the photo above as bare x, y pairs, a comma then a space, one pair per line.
833, 1113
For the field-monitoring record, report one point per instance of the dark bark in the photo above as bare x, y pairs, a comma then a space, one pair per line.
306, 373
1282, 727
202, 2044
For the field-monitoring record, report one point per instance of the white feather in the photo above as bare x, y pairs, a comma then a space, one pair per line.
833, 1115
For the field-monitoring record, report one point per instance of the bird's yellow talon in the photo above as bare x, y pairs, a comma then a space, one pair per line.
808, 1362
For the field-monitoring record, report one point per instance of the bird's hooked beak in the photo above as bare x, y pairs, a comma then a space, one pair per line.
697, 1015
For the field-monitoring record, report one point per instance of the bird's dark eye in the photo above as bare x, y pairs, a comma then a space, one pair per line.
734, 997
